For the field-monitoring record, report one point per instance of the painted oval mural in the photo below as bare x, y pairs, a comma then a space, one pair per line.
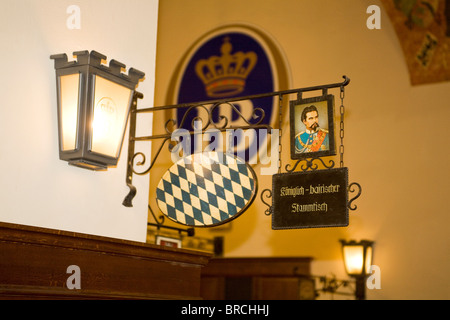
232, 61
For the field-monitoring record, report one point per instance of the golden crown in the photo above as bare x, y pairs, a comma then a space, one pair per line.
225, 75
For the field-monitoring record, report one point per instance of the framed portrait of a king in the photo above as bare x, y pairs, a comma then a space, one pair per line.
312, 127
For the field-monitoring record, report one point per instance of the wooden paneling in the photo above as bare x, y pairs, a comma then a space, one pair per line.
254, 278
276, 288
34, 262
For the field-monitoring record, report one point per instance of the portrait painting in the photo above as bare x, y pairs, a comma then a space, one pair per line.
312, 127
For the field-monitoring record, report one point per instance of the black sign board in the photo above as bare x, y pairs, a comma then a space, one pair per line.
311, 199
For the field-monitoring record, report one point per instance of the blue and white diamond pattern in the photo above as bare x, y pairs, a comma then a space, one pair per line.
206, 189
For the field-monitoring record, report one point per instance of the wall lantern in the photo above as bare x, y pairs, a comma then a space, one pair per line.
94, 102
358, 260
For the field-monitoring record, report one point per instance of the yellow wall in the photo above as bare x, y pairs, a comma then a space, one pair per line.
395, 137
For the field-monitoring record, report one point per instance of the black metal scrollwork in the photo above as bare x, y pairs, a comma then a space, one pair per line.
350, 189
309, 165
268, 211
223, 123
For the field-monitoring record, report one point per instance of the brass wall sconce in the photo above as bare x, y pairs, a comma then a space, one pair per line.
94, 102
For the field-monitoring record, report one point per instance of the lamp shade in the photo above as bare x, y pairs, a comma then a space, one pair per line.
94, 102
357, 257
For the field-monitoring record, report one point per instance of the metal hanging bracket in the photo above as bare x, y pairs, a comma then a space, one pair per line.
210, 107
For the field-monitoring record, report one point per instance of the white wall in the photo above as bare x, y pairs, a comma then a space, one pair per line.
36, 188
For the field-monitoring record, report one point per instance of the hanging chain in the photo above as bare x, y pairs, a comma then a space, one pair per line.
341, 131
280, 120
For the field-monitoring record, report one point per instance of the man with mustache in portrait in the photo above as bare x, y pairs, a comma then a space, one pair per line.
313, 138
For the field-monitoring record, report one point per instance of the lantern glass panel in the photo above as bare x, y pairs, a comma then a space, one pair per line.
111, 106
368, 259
69, 86
353, 256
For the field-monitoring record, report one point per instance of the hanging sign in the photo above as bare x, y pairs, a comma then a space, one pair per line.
312, 127
311, 199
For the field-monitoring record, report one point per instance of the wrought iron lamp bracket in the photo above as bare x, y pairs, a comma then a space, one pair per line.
138, 159
171, 126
